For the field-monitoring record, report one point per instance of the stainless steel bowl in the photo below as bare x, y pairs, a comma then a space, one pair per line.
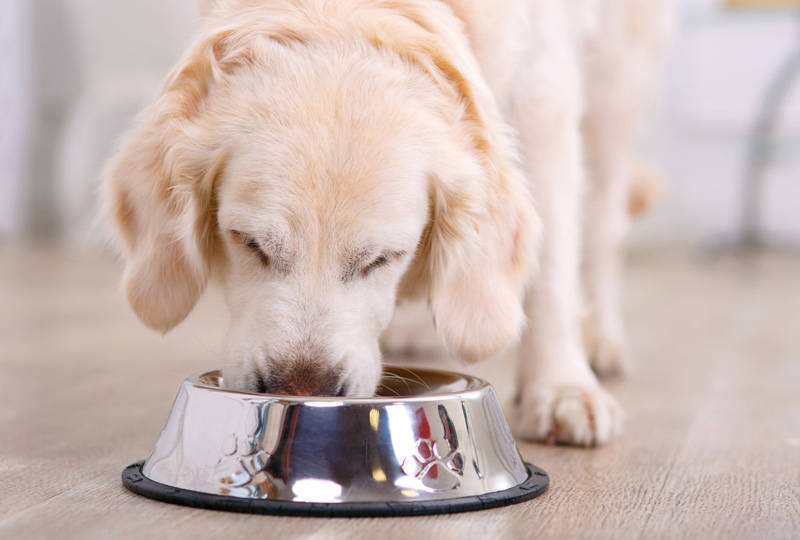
432, 442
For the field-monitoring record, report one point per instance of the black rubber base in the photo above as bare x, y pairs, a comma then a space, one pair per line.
134, 480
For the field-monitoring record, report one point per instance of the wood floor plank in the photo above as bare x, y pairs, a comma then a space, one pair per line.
738, 475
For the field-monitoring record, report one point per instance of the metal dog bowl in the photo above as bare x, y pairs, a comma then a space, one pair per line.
432, 442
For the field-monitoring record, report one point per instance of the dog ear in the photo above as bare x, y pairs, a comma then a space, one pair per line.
478, 251
158, 192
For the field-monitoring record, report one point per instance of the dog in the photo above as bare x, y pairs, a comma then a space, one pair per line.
324, 159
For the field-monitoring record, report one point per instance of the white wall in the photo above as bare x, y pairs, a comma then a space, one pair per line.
125, 48
77, 72
717, 76
15, 112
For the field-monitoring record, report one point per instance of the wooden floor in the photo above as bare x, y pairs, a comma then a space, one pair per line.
711, 449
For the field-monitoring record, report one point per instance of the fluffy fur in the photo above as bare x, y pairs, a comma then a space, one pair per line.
321, 158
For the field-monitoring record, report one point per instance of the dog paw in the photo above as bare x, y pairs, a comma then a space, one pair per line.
576, 415
609, 357
607, 352
411, 334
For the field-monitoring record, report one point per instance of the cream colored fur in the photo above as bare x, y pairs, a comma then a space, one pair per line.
322, 158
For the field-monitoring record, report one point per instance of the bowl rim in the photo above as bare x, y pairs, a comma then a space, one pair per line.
474, 386
536, 484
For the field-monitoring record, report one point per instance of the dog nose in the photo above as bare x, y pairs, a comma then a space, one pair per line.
303, 378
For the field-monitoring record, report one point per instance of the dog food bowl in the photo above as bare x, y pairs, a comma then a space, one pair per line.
432, 442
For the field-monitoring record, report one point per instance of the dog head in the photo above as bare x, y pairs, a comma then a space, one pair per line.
316, 180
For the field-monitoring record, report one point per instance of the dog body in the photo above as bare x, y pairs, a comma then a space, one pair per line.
321, 159
583, 75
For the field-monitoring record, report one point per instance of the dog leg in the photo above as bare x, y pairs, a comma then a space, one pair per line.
604, 230
559, 399
620, 188
620, 69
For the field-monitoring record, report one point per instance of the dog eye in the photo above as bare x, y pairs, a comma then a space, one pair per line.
252, 244
382, 260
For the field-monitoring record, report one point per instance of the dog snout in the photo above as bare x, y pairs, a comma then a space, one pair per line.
302, 378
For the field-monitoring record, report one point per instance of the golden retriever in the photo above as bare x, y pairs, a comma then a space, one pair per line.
321, 159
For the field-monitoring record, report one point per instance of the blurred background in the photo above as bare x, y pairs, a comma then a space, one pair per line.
74, 72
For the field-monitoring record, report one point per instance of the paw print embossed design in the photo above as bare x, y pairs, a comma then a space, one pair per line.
438, 465
249, 477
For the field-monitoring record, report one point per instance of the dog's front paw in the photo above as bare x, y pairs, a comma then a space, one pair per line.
607, 351
411, 333
608, 356
576, 415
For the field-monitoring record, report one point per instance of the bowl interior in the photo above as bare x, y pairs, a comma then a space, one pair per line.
397, 382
